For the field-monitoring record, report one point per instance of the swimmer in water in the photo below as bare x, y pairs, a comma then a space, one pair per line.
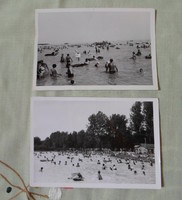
112, 67
140, 71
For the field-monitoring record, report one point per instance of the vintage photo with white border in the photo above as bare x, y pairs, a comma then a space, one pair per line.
95, 49
95, 142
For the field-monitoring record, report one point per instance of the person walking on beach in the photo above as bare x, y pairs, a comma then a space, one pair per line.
112, 67
99, 176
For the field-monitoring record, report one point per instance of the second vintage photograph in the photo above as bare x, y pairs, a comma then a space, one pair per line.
95, 143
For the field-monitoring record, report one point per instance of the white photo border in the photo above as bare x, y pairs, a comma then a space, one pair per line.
153, 86
156, 185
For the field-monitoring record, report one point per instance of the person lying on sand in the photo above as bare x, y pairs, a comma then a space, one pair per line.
77, 177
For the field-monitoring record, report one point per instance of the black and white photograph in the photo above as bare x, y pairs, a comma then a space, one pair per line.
95, 143
95, 49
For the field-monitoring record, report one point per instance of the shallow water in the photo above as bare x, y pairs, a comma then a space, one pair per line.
128, 69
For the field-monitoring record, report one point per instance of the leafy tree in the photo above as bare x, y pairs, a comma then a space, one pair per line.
98, 124
80, 139
98, 127
136, 122
37, 141
117, 130
47, 144
148, 121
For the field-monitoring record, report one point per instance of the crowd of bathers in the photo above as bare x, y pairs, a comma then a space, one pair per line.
110, 66
43, 70
103, 163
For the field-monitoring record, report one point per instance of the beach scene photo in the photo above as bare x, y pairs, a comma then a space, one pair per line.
95, 49
95, 143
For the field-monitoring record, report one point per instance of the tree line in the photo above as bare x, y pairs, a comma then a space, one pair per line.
113, 132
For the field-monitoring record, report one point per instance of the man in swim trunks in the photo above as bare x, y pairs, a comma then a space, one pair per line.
68, 60
112, 67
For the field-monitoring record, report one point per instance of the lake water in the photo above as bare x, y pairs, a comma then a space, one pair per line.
128, 69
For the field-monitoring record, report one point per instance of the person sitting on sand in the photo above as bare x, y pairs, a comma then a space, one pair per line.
98, 162
54, 73
103, 166
99, 176
77, 177
112, 67
114, 167
78, 165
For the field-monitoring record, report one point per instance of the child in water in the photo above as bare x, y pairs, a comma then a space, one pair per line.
54, 73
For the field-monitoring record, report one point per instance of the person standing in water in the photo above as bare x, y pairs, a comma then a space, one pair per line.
78, 55
68, 60
54, 73
62, 58
70, 71
112, 67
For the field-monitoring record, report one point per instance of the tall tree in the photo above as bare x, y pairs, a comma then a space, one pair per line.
136, 122
148, 121
98, 127
37, 141
117, 130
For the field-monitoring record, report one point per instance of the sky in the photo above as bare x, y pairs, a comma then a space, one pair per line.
48, 116
86, 27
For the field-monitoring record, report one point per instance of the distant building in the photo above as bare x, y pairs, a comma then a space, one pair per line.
144, 148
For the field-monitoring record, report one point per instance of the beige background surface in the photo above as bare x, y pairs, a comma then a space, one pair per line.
16, 68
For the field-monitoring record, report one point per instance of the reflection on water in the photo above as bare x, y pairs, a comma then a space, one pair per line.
128, 69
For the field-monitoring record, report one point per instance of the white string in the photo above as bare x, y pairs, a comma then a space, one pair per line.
55, 194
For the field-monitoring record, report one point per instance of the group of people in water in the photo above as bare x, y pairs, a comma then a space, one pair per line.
43, 70
134, 55
110, 66
103, 165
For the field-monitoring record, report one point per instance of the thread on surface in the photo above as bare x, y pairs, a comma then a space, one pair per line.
29, 195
